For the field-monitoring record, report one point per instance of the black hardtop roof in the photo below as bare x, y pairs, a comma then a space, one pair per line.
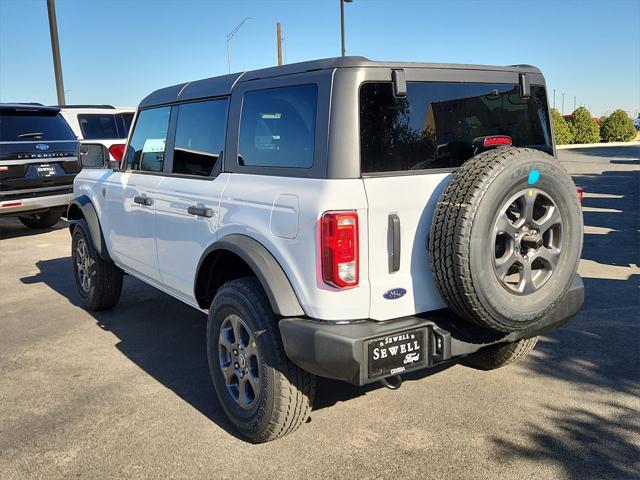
222, 85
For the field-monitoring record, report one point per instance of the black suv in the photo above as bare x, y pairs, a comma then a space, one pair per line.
37, 163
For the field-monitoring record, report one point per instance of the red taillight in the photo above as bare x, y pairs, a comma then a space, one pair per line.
340, 249
496, 141
4, 169
580, 194
12, 204
117, 151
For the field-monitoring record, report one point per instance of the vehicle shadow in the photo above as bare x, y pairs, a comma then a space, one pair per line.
11, 227
614, 207
160, 334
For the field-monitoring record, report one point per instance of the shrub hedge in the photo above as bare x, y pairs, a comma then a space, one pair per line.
585, 128
562, 132
617, 127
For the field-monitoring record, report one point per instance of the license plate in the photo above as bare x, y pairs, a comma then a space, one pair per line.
397, 353
45, 170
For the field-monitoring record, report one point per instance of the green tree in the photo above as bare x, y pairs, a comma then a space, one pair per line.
561, 129
617, 127
585, 128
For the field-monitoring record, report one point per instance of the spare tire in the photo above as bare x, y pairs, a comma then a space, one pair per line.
506, 238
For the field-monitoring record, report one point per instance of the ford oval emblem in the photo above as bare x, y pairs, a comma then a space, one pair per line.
394, 294
42, 146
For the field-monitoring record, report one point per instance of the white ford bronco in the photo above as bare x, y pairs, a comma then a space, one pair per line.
342, 218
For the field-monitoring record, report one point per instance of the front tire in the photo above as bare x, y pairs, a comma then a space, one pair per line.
46, 219
498, 356
97, 281
263, 394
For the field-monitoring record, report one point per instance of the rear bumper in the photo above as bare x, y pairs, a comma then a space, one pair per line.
338, 351
18, 205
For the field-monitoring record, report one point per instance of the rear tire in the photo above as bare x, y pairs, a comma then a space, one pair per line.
264, 395
46, 219
97, 281
498, 356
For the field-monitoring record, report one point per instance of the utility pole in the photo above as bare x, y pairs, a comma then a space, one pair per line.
342, 2
229, 37
55, 50
279, 35
554, 98
563, 103
574, 103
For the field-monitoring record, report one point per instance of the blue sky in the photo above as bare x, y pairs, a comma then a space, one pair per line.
117, 51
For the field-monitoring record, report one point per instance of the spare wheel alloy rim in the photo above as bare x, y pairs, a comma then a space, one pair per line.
527, 241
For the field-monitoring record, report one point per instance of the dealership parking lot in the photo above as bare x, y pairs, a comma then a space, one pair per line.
127, 393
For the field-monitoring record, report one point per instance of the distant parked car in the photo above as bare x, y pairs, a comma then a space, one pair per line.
105, 124
636, 123
37, 163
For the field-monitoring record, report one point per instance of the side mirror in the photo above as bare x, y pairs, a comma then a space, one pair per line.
93, 155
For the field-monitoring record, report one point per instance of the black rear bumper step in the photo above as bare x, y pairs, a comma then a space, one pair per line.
338, 351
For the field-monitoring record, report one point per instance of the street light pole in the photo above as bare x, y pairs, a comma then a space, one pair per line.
229, 37
55, 50
342, 2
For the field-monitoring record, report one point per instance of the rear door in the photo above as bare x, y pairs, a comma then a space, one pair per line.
409, 147
188, 198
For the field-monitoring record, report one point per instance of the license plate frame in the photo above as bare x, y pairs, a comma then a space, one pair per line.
397, 353
46, 170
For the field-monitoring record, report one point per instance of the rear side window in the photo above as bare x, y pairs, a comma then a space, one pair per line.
200, 133
148, 143
435, 125
17, 125
95, 126
278, 127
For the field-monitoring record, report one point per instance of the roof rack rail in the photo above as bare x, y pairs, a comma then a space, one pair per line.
26, 103
111, 107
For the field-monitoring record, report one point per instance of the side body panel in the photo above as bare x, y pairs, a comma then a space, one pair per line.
248, 206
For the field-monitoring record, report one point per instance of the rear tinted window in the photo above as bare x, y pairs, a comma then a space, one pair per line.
435, 125
95, 126
199, 137
33, 126
278, 127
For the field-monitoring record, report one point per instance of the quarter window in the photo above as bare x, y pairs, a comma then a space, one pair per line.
200, 133
278, 127
148, 143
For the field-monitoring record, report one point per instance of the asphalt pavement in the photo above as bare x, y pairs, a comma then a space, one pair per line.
127, 394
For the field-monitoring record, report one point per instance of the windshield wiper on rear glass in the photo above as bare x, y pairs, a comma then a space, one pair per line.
31, 135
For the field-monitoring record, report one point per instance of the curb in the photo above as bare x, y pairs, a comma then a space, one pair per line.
598, 145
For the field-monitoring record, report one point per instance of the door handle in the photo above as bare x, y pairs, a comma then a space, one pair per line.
143, 201
394, 256
200, 212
